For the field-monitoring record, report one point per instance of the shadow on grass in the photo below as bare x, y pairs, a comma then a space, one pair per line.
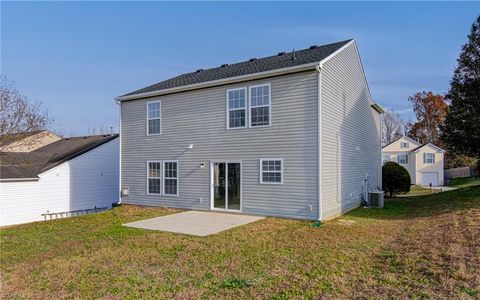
424, 205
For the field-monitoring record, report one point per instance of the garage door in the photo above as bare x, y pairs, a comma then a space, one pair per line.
430, 177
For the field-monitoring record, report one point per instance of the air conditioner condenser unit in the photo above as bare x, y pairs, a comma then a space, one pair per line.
376, 199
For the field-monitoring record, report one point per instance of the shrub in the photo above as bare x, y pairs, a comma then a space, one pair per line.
395, 179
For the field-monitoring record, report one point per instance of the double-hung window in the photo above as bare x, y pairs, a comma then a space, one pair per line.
153, 177
271, 171
402, 159
429, 158
385, 158
404, 145
154, 126
236, 112
260, 105
170, 178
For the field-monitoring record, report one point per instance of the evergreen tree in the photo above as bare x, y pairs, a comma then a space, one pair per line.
462, 124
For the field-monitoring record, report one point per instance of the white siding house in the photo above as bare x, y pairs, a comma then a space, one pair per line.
83, 182
424, 162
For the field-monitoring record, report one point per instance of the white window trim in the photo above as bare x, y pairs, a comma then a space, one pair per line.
425, 159
407, 145
261, 170
389, 158
250, 105
406, 159
148, 177
159, 118
177, 178
245, 108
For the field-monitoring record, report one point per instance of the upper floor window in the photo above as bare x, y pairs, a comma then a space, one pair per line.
402, 158
385, 158
154, 118
260, 108
271, 171
153, 177
404, 145
428, 158
236, 112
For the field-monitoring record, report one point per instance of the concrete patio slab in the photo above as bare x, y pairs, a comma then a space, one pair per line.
199, 223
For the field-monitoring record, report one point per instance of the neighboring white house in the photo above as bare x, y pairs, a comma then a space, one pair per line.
68, 175
424, 162
294, 135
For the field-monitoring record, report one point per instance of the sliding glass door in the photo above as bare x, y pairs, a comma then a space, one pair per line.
227, 190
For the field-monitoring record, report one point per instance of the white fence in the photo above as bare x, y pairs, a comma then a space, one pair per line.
458, 172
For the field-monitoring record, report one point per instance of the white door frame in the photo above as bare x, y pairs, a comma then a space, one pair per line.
226, 161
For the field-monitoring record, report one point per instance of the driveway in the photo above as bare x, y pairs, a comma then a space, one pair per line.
199, 223
441, 188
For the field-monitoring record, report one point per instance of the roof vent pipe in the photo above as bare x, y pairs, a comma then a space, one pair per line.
293, 54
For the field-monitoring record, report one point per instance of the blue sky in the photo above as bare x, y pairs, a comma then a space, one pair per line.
76, 57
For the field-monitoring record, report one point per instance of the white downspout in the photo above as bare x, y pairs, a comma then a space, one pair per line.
319, 141
119, 152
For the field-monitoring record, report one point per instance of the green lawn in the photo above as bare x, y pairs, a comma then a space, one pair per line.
424, 246
416, 190
464, 182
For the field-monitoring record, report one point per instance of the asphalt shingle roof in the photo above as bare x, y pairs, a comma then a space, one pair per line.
17, 165
252, 66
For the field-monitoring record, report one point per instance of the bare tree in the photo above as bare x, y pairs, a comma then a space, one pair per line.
100, 130
393, 126
19, 116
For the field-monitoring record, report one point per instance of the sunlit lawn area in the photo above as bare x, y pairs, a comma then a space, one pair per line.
464, 182
416, 190
424, 246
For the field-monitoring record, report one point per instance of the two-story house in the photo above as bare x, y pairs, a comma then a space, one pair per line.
424, 162
291, 135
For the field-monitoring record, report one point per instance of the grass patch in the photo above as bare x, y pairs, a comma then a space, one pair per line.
422, 246
235, 283
464, 182
416, 190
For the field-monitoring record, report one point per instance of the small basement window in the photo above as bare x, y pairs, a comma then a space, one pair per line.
271, 171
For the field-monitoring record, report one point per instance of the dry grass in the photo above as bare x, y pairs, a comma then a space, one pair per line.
416, 190
425, 246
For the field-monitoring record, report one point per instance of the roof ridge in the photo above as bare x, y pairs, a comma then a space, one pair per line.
243, 68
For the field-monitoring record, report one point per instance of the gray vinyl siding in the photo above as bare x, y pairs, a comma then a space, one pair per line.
199, 118
348, 122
